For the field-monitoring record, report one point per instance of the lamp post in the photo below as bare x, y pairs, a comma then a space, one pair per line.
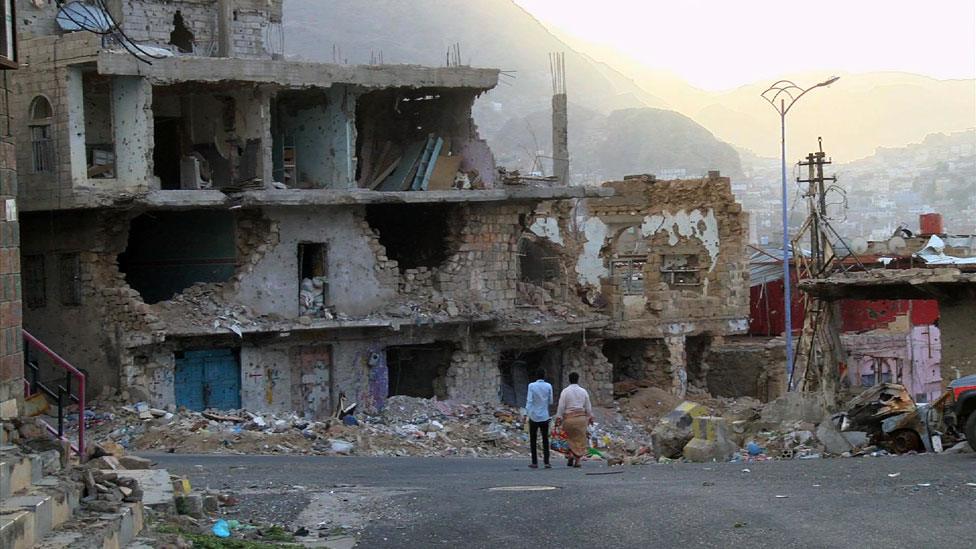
782, 95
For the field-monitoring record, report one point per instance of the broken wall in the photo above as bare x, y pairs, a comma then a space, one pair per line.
219, 28
314, 138
667, 257
81, 304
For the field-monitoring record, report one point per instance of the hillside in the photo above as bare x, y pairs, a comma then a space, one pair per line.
515, 116
856, 115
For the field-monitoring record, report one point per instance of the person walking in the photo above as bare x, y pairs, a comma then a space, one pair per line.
537, 403
574, 413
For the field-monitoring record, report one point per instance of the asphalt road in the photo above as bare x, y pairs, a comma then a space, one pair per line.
448, 502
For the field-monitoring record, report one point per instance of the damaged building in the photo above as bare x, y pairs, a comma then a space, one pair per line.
223, 228
665, 262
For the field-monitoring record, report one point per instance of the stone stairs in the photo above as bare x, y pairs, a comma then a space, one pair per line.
40, 509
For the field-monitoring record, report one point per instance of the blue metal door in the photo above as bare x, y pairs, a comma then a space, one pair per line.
208, 379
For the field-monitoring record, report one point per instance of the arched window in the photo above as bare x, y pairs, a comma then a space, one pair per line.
42, 152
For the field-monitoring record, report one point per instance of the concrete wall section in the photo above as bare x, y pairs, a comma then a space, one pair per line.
133, 124
272, 287
958, 325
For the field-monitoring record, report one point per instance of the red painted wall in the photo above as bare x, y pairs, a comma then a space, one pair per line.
862, 315
766, 310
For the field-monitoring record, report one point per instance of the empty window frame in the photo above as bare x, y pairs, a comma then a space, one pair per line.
313, 278
35, 294
681, 269
42, 148
628, 272
69, 279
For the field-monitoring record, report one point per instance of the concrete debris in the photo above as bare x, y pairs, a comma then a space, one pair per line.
832, 439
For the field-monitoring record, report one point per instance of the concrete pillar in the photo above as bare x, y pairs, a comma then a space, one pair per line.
560, 138
133, 129
340, 114
679, 362
225, 28
74, 83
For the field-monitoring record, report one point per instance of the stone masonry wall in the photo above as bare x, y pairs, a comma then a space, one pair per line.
474, 375
650, 220
11, 342
45, 75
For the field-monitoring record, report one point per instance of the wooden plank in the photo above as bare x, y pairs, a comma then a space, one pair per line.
385, 173
402, 176
442, 178
425, 159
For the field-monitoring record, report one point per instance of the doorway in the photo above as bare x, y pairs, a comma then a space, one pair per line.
208, 379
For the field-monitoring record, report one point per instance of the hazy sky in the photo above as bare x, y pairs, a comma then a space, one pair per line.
719, 44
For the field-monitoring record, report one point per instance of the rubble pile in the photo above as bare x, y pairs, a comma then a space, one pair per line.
407, 426
647, 424
203, 305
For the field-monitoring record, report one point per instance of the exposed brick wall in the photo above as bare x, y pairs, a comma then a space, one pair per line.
699, 219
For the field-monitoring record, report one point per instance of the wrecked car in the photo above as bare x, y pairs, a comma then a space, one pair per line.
893, 420
961, 408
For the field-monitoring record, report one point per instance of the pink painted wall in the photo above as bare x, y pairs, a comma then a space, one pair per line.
911, 359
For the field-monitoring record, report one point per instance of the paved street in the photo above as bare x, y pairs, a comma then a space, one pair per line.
400, 502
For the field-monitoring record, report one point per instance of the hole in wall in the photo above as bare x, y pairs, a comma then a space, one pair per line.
181, 37
168, 252
520, 367
419, 370
415, 235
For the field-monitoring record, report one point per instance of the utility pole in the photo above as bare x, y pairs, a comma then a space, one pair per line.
819, 351
817, 206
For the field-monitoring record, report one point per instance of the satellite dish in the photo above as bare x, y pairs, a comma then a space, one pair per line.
896, 244
859, 245
76, 16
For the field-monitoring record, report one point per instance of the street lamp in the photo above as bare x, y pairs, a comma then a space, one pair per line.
777, 95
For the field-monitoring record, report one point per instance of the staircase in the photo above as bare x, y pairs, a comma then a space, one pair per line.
41, 507
40, 504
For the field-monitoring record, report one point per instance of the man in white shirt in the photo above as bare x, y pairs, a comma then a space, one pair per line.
537, 403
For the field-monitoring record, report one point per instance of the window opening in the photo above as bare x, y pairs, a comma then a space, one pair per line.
35, 295
629, 274
313, 274
42, 149
69, 266
681, 269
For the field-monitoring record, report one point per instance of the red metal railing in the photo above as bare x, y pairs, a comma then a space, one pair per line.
33, 385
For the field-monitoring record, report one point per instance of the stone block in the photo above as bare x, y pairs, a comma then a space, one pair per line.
711, 440
674, 431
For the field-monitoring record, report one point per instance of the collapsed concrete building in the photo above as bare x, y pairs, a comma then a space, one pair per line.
223, 228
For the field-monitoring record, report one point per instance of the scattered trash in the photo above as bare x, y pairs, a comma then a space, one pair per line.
221, 529
893, 475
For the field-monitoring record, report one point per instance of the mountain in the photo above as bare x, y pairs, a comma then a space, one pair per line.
626, 141
855, 115
858, 113
491, 33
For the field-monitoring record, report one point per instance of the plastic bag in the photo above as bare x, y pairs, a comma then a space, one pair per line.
559, 441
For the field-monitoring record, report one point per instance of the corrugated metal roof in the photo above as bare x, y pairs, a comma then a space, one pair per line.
934, 253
